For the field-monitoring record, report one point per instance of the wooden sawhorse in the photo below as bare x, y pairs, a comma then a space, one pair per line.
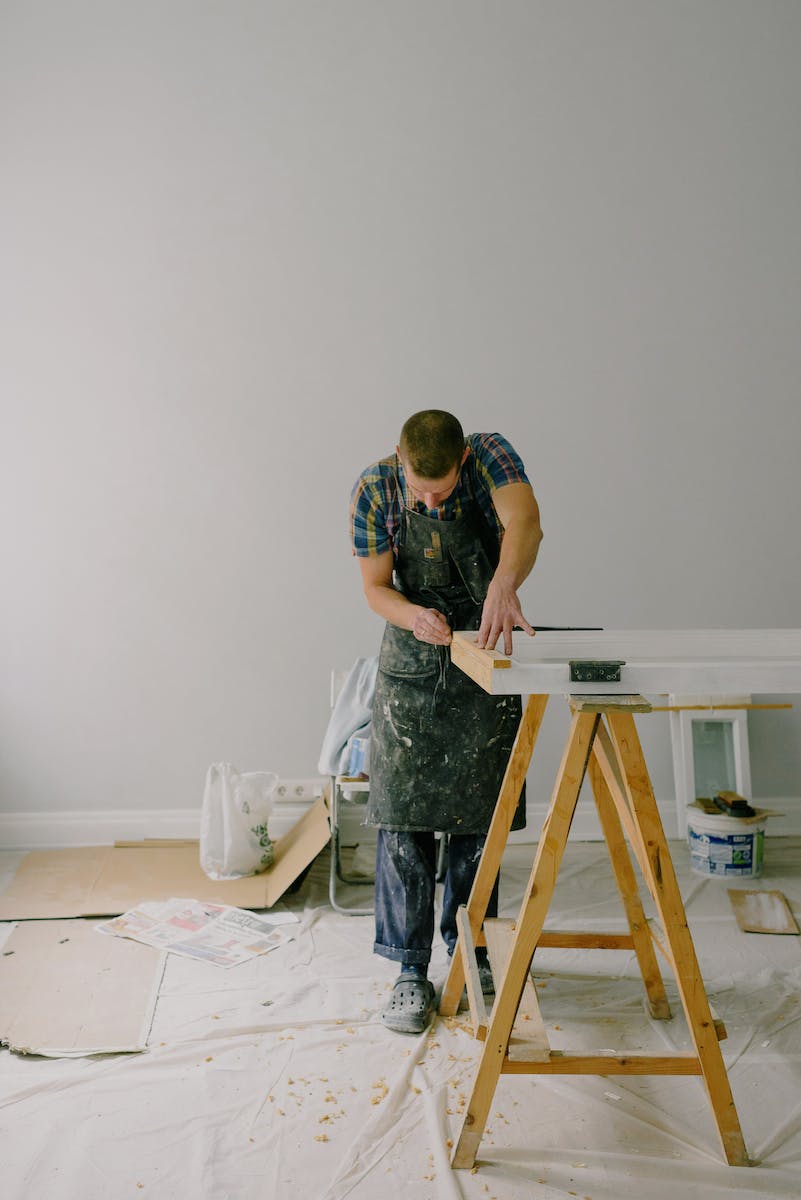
602, 740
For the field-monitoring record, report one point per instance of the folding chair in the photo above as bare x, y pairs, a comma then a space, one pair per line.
344, 793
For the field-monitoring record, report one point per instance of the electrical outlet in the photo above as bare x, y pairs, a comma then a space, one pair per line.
294, 790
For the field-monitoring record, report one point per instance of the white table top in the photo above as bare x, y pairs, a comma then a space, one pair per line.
656, 662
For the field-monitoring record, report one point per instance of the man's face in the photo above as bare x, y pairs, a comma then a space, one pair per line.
432, 492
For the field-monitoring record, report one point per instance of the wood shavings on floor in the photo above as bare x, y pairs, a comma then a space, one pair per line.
278, 1079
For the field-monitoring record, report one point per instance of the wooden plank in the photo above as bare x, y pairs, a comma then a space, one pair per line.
529, 1038
714, 707
496, 839
720, 1029
660, 941
573, 939
476, 662
564, 1063
603, 703
705, 805
603, 753
762, 912
475, 997
629, 892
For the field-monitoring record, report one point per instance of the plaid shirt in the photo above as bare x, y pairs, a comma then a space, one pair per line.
376, 503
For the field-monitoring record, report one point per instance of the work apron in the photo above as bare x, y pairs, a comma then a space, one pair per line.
439, 742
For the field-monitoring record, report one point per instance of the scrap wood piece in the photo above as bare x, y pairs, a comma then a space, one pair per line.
478, 1010
66, 991
528, 1041
707, 805
762, 912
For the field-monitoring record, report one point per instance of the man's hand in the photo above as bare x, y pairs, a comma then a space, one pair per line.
519, 514
430, 626
500, 614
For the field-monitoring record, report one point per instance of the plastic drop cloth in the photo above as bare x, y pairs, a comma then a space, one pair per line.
278, 1080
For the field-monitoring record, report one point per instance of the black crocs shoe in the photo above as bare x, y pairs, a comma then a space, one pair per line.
485, 977
411, 1004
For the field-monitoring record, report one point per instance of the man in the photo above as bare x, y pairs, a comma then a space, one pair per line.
446, 530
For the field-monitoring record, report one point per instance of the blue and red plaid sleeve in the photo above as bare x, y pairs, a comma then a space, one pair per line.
371, 510
497, 462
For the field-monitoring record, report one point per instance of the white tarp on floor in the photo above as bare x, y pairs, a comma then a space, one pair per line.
276, 1079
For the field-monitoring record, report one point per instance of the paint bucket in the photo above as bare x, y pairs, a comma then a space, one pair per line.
726, 846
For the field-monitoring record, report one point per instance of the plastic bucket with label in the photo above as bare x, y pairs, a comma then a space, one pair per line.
726, 846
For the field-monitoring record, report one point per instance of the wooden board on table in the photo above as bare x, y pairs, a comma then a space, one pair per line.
655, 662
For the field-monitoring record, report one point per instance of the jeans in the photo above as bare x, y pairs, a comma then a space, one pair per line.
405, 882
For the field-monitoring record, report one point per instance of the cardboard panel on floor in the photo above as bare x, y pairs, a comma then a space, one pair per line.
102, 881
68, 991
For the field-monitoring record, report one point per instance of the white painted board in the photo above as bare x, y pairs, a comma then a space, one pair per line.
656, 662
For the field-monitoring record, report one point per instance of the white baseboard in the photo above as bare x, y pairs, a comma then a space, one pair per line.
61, 830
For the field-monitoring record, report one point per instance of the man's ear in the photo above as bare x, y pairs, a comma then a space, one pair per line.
465, 453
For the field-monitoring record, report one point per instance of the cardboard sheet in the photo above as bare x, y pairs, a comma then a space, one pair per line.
67, 991
762, 912
101, 881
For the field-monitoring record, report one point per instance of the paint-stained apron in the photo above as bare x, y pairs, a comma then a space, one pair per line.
439, 742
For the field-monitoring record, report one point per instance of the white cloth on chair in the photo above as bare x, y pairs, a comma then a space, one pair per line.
350, 717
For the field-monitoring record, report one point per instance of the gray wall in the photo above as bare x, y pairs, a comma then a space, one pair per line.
241, 242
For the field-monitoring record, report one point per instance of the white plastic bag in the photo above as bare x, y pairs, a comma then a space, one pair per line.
233, 825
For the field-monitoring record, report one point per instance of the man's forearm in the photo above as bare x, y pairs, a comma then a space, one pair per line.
519, 549
392, 605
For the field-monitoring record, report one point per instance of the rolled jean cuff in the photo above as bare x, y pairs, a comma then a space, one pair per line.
407, 958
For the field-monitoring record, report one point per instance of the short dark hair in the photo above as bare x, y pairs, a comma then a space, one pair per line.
432, 442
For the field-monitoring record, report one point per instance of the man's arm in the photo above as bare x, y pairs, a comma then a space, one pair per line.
519, 514
426, 624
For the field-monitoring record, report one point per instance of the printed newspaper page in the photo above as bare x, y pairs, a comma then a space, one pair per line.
214, 933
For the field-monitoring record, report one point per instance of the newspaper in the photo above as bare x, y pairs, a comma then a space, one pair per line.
215, 933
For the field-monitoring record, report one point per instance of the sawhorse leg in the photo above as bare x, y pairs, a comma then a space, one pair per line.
529, 926
495, 844
661, 880
629, 891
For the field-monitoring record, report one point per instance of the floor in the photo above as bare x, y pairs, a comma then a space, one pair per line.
277, 1079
